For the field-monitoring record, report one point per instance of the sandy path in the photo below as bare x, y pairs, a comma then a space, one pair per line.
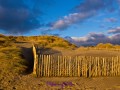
29, 82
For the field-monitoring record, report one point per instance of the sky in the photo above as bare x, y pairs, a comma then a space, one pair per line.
83, 22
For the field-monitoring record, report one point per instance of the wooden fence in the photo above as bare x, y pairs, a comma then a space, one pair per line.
78, 66
35, 60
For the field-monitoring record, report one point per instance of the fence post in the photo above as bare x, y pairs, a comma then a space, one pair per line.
90, 64
118, 66
69, 66
35, 61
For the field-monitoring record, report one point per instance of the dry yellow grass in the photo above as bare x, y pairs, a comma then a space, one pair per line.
12, 63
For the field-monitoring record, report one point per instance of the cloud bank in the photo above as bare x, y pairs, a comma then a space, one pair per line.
94, 38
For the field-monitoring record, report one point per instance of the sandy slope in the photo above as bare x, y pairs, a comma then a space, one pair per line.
29, 82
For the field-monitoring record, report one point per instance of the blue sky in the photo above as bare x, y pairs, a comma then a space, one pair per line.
80, 21
101, 21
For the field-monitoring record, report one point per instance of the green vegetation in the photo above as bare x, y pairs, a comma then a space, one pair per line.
13, 65
7, 40
11, 62
107, 46
11, 58
47, 41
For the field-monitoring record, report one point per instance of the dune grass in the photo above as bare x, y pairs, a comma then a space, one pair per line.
11, 65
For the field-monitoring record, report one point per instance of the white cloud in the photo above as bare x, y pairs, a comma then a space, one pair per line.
71, 19
78, 39
114, 30
85, 10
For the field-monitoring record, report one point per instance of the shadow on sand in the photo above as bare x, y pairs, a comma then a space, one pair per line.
28, 56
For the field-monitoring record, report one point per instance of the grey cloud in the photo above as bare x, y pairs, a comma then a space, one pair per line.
114, 30
118, 1
111, 20
20, 16
94, 39
115, 39
90, 5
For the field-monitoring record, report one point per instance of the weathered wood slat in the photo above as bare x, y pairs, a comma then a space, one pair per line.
80, 66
